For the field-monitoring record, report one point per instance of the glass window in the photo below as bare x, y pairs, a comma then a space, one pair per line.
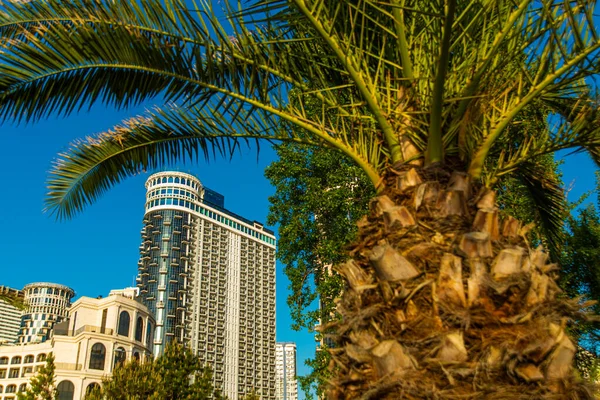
91, 387
176, 191
66, 390
29, 359
139, 329
148, 334
97, 356
11, 389
16, 360
3, 360
124, 319
119, 355
136, 356
169, 201
23, 387
164, 180
169, 191
41, 357
162, 202
1, 388
13, 373
170, 179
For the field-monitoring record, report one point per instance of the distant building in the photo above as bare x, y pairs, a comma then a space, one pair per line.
208, 275
46, 304
99, 334
10, 316
286, 383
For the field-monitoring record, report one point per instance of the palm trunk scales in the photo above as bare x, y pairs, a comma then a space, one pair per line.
445, 299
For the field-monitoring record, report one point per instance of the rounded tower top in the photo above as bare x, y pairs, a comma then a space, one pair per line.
36, 288
171, 178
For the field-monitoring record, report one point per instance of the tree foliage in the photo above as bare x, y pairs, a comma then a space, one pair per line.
177, 374
42, 386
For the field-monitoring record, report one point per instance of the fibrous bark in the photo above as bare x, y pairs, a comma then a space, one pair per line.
447, 300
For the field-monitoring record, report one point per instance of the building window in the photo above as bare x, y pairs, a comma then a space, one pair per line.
119, 356
66, 390
124, 319
1, 388
148, 334
136, 356
97, 356
16, 360
29, 359
2, 373
11, 389
3, 360
41, 357
23, 387
91, 387
139, 329
13, 373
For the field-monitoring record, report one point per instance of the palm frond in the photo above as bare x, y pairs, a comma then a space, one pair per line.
91, 166
549, 201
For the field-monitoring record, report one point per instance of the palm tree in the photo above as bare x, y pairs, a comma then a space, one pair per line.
444, 297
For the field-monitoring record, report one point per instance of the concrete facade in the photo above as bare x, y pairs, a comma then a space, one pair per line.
10, 317
285, 369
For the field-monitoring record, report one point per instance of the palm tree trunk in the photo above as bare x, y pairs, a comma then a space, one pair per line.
446, 300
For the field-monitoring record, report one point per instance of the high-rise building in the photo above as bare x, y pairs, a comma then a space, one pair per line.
10, 316
46, 304
285, 370
208, 275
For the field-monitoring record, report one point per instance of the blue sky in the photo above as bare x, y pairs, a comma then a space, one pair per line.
98, 250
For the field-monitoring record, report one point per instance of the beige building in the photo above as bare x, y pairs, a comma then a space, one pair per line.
99, 334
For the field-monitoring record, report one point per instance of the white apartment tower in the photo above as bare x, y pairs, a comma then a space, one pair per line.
10, 316
208, 276
285, 369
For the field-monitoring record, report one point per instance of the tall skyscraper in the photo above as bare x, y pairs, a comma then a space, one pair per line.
46, 304
285, 368
208, 275
10, 316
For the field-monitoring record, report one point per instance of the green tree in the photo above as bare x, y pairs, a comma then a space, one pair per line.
42, 386
175, 375
442, 298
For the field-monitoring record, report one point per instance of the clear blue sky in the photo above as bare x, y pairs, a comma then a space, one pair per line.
98, 250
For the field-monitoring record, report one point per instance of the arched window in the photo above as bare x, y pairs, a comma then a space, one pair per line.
136, 356
164, 180
29, 359
41, 357
176, 180
35, 291
91, 387
11, 389
1, 388
66, 390
139, 329
97, 356
16, 360
148, 334
23, 387
124, 319
3, 360
119, 356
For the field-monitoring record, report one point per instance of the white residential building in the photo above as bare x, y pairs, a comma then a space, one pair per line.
208, 275
285, 369
99, 334
10, 317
